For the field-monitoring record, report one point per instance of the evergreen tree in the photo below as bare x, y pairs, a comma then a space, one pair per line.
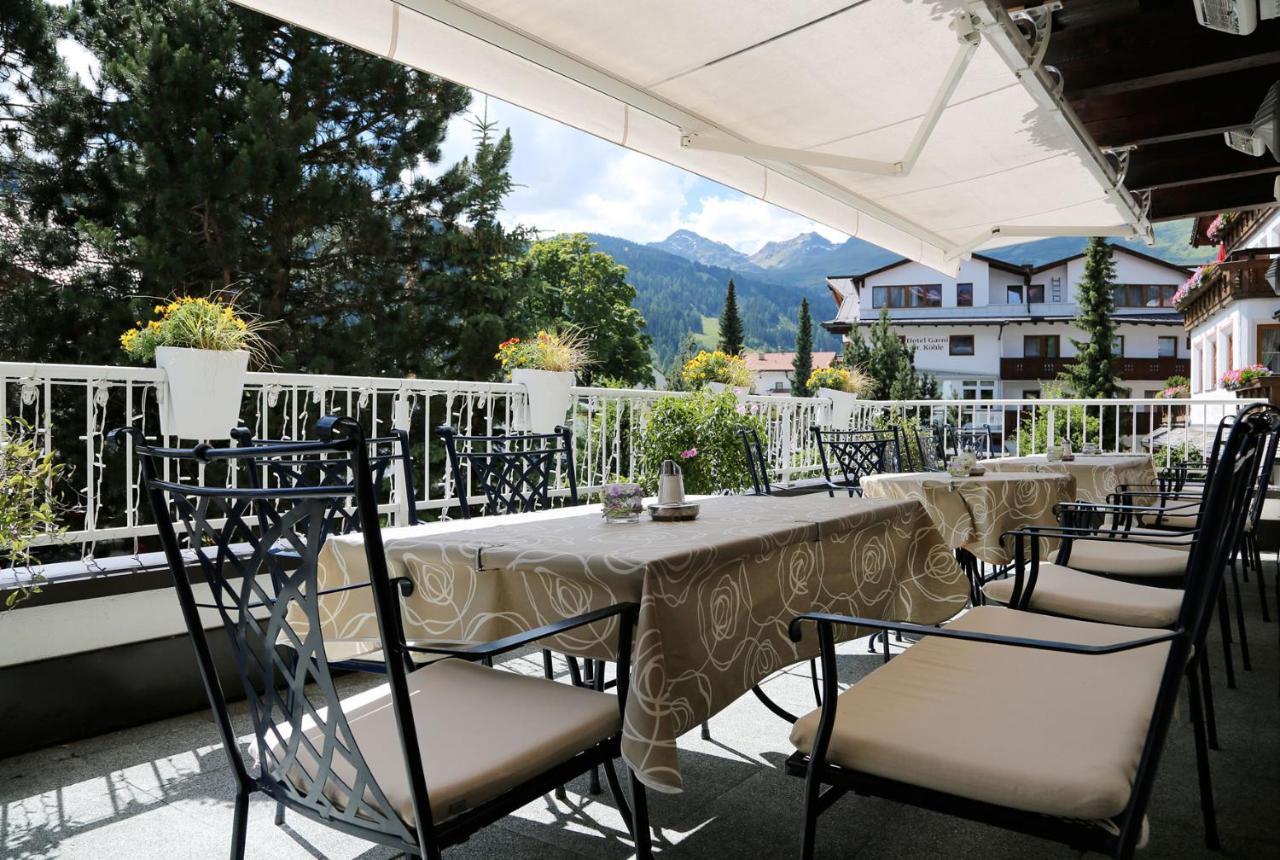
577, 286
802, 363
1092, 374
688, 349
889, 361
222, 149
731, 335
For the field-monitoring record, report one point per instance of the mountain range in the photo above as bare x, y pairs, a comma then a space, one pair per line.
680, 281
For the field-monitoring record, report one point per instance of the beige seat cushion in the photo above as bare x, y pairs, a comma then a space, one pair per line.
1127, 558
1075, 594
1058, 734
481, 731
1183, 519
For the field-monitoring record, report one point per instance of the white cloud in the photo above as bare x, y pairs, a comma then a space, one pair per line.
568, 181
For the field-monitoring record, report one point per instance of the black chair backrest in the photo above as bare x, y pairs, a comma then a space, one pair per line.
977, 439
1258, 491
757, 465
857, 453
386, 455
515, 473
927, 455
306, 754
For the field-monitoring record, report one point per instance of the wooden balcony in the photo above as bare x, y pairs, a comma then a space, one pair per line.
1232, 281
1127, 368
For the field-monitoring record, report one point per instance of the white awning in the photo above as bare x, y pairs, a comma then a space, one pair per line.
923, 126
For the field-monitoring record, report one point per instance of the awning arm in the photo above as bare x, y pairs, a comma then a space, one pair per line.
966, 27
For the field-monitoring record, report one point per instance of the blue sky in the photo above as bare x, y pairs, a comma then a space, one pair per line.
570, 181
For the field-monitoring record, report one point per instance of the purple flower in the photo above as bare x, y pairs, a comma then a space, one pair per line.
688, 455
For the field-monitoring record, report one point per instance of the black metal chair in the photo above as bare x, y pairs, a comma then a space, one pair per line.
1088, 701
980, 440
514, 472
387, 454
757, 465
928, 457
856, 453
419, 763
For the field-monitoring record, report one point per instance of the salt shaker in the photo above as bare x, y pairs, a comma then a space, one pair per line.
671, 484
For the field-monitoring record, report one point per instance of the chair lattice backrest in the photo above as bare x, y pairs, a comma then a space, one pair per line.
390, 462
307, 756
515, 473
927, 457
757, 465
977, 439
855, 453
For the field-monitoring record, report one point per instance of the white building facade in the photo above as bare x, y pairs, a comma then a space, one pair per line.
1000, 330
1232, 316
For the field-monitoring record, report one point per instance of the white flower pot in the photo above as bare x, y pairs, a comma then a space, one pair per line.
721, 388
842, 406
548, 396
203, 389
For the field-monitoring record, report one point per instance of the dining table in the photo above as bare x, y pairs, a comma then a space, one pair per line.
716, 594
975, 511
1097, 476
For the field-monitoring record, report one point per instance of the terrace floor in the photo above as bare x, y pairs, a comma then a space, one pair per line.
164, 790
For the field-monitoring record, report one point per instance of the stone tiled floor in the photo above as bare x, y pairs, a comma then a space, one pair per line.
164, 791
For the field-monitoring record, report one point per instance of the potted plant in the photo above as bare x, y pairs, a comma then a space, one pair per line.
718, 371
203, 345
698, 431
29, 508
1233, 380
545, 365
1175, 388
842, 386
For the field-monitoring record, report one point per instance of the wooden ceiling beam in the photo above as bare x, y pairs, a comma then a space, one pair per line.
1227, 195
1185, 162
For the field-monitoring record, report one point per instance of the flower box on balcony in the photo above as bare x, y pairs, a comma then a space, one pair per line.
202, 391
1267, 387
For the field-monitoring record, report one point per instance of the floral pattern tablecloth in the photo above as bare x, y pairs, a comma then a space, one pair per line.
716, 595
972, 513
1097, 477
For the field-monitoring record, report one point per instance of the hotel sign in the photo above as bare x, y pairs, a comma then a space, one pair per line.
928, 342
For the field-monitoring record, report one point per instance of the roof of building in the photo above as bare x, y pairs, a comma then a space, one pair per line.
764, 361
89, 258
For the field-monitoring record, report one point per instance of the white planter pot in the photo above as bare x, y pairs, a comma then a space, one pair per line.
203, 388
842, 406
721, 388
548, 396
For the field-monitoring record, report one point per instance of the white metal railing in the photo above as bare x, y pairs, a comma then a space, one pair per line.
71, 407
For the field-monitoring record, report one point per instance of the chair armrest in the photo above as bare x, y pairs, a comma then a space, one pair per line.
974, 636
518, 640
1096, 507
1157, 538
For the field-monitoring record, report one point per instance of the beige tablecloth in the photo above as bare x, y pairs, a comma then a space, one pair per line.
1096, 476
716, 595
972, 513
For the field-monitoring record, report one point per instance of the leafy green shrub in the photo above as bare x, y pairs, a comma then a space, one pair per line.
1184, 454
1084, 427
705, 424
28, 509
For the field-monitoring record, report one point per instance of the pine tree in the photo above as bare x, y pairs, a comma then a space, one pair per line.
731, 336
802, 363
889, 361
222, 149
1092, 374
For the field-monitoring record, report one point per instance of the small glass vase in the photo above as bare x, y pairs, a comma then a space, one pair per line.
622, 503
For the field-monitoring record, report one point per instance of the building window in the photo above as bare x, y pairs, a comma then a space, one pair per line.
1212, 366
1143, 295
1041, 345
1167, 346
1231, 351
1197, 362
1013, 294
1269, 347
977, 389
1035, 293
961, 344
907, 296
1117, 346
964, 295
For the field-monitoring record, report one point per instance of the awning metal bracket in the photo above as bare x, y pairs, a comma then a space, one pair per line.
1036, 24
967, 29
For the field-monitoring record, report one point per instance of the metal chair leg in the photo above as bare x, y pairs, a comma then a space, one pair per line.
1224, 624
1211, 840
1245, 661
240, 825
1262, 580
615, 788
1210, 713
640, 819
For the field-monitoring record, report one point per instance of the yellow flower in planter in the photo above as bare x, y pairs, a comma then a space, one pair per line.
196, 323
707, 367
